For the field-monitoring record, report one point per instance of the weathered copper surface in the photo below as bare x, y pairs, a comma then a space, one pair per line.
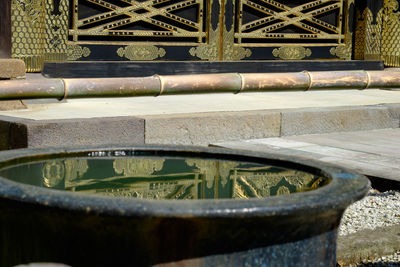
197, 83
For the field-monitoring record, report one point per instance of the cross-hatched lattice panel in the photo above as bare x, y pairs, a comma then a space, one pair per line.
295, 21
138, 20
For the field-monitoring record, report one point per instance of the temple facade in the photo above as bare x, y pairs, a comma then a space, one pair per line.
200, 30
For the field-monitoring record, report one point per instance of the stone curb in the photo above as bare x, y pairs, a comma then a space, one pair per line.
11, 68
195, 128
22, 133
339, 119
205, 128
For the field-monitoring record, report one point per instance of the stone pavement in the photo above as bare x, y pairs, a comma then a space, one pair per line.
197, 119
374, 153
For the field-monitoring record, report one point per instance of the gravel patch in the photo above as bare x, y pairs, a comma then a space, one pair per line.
387, 261
377, 209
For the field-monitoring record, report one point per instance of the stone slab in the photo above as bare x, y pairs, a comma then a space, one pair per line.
11, 68
338, 119
24, 133
204, 103
205, 128
382, 142
375, 153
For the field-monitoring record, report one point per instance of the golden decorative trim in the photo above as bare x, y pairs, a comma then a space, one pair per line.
207, 51
230, 51
56, 33
368, 35
76, 52
346, 53
391, 34
291, 52
373, 36
233, 52
341, 51
117, 17
27, 28
141, 52
360, 34
33, 10
32, 63
276, 15
392, 61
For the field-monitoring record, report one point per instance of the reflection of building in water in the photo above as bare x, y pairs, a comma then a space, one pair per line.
141, 178
55, 171
174, 178
132, 167
213, 170
264, 182
156, 189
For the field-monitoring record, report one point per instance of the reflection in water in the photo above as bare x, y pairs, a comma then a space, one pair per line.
166, 178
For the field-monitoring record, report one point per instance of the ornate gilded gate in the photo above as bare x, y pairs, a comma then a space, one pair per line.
213, 30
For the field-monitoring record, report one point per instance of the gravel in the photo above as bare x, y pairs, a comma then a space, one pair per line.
388, 261
377, 209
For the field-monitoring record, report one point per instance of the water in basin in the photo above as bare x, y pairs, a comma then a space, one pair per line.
163, 177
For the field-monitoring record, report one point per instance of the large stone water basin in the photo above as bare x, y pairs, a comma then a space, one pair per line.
170, 206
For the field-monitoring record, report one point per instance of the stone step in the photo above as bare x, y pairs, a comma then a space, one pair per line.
197, 119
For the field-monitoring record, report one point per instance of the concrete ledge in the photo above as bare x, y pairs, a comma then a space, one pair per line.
205, 128
339, 119
21, 133
11, 68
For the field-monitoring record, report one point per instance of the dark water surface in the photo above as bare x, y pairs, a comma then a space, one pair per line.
163, 178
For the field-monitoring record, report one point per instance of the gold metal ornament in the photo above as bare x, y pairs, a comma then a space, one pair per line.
301, 16
341, 51
291, 52
56, 34
76, 52
207, 51
115, 20
373, 33
360, 34
368, 34
28, 28
391, 34
141, 52
230, 50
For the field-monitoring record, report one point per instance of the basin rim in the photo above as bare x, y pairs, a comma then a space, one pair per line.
345, 188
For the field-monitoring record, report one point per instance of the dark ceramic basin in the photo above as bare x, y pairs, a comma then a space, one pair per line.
139, 206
